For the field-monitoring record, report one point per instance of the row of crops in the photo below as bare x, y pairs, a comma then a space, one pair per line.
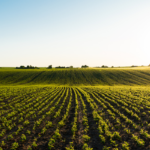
74, 118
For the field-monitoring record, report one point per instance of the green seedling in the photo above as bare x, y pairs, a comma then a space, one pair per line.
15, 145
23, 137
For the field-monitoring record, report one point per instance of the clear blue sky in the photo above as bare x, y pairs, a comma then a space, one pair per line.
67, 32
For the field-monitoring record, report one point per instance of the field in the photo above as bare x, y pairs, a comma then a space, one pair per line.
75, 109
71, 77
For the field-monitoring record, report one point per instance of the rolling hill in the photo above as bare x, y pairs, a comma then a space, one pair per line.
122, 76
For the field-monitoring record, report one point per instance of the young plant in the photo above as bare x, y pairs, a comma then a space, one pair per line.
125, 146
50, 143
49, 124
103, 140
34, 144
113, 143
26, 122
70, 146
10, 137
23, 137
29, 148
106, 148
15, 145
43, 130
85, 138
116, 136
85, 147
3, 143
28, 132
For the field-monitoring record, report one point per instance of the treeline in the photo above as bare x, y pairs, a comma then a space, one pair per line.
50, 66
103, 66
28, 67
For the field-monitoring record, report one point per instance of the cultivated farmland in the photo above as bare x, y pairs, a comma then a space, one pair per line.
59, 117
71, 77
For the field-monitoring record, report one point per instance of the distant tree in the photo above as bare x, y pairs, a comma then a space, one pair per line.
50, 66
60, 67
104, 66
149, 65
133, 66
31, 67
71, 66
112, 66
84, 66
28, 67
22, 67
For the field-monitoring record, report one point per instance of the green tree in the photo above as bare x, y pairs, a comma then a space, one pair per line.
50, 66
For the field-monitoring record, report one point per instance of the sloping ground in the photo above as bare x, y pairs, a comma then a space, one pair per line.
76, 77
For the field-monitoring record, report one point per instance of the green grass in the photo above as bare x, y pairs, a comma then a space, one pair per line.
76, 77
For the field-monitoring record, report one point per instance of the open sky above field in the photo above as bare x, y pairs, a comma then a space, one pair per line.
95, 33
